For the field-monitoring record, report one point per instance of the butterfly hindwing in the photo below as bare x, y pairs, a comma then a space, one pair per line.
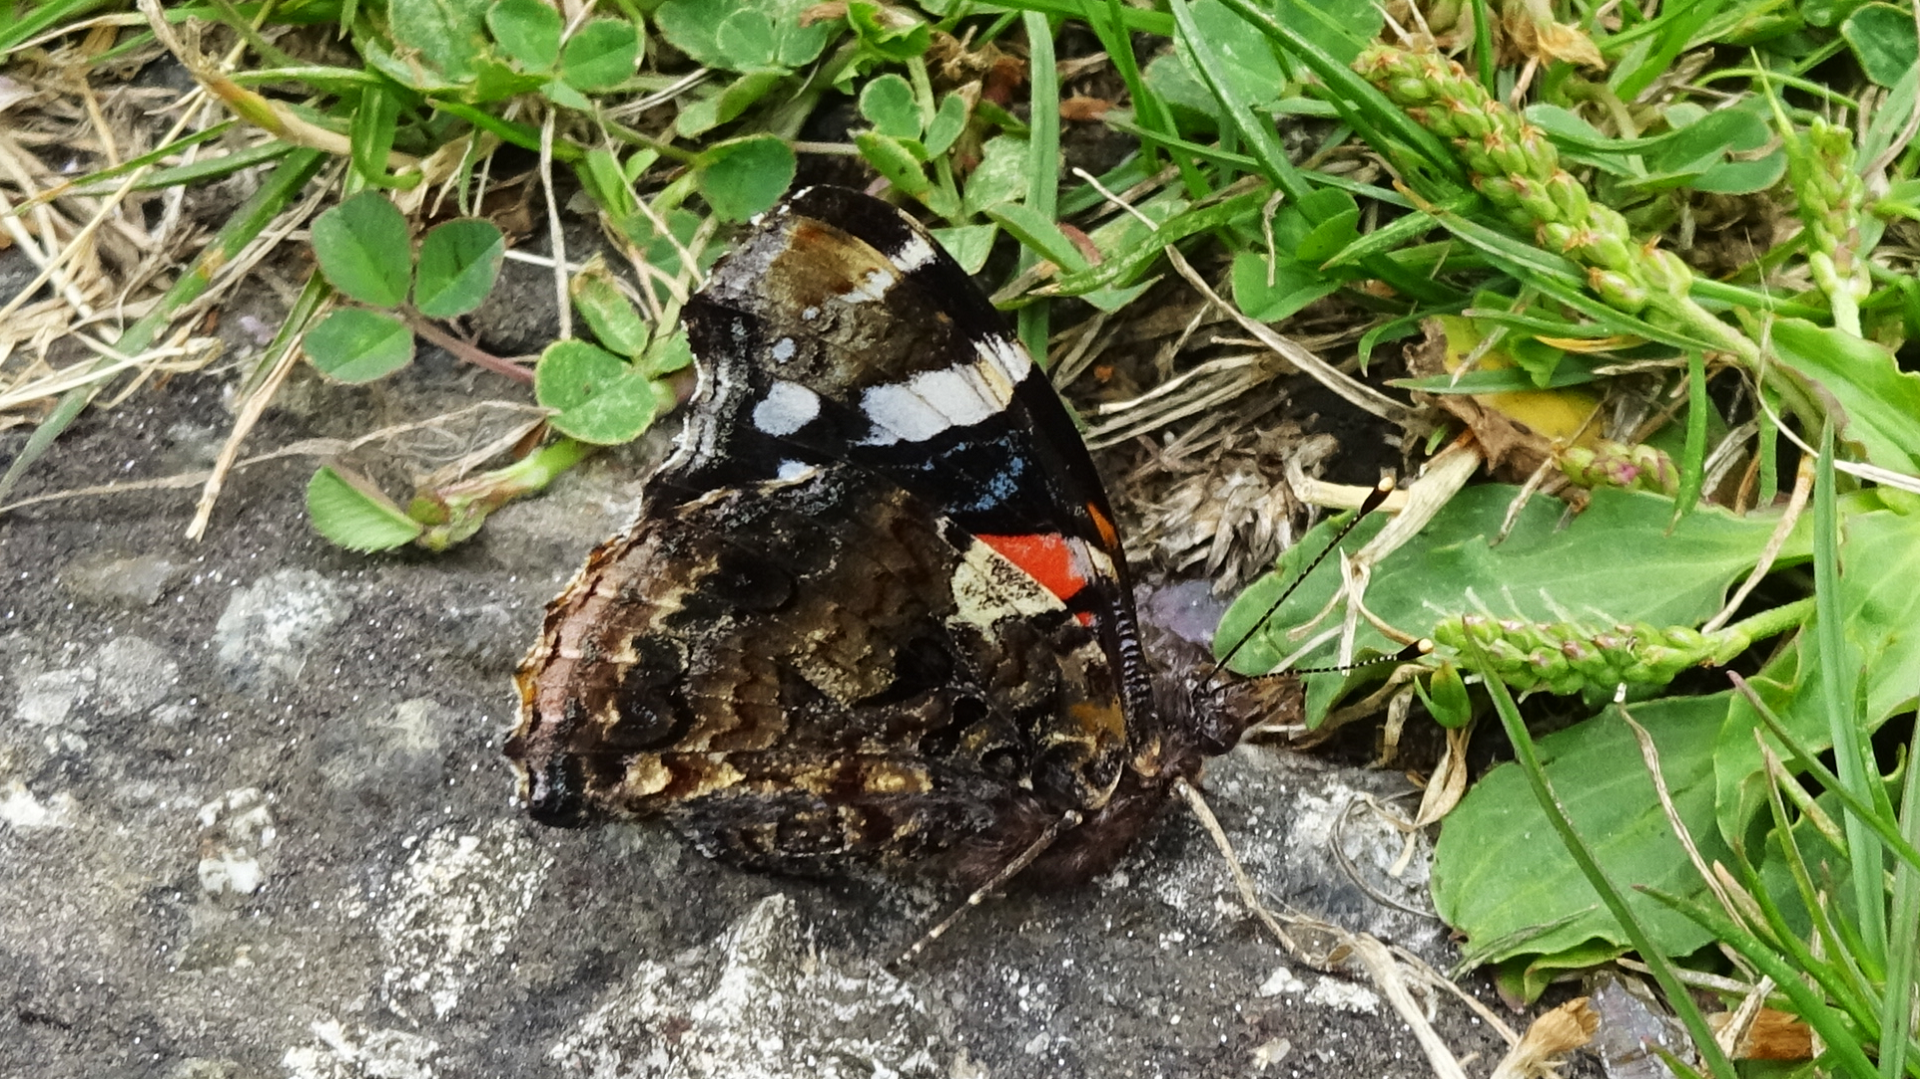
803, 671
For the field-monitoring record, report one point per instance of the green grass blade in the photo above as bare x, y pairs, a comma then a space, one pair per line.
1043, 166
1693, 458
1365, 108
1905, 850
1109, 24
1135, 20
1260, 138
42, 19
1850, 755
1896, 1010
1841, 1040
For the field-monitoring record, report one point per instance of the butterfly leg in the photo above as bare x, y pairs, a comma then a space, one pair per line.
1070, 819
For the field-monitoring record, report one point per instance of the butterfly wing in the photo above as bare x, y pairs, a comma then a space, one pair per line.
808, 670
840, 331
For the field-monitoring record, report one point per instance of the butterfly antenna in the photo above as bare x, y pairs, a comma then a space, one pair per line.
1372, 502
1070, 819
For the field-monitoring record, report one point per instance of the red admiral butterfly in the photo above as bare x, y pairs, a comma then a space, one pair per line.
875, 607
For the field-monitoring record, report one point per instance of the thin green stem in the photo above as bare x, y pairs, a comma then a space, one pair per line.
1043, 165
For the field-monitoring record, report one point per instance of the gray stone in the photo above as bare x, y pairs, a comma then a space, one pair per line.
266, 631
132, 675
135, 581
758, 1003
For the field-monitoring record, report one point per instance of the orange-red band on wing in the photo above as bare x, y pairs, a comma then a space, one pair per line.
1049, 558
1109, 538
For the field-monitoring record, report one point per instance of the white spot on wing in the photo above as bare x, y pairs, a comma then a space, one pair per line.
872, 287
783, 350
1006, 355
957, 393
786, 408
809, 314
913, 254
790, 470
900, 415
930, 402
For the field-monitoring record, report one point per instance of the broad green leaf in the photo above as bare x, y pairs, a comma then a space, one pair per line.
1499, 870
1294, 285
1295, 226
968, 244
664, 357
758, 34
1330, 236
742, 177
1743, 177
597, 296
1341, 28
597, 396
662, 251
1191, 103
1001, 175
1039, 233
748, 40
354, 344
894, 159
528, 31
1623, 560
352, 513
607, 182
496, 80
1881, 403
600, 55
890, 33
887, 103
565, 96
459, 262
948, 122
1250, 67
704, 113
1883, 39
364, 250
449, 34
1695, 144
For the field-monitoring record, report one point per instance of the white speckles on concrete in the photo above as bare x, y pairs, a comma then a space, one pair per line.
1281, 981
376, 1054
454, 906
758, 1003
234, 830
19, 808
1346, 996
264, 634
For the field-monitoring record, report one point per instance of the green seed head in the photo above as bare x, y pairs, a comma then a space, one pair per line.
1620, 292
